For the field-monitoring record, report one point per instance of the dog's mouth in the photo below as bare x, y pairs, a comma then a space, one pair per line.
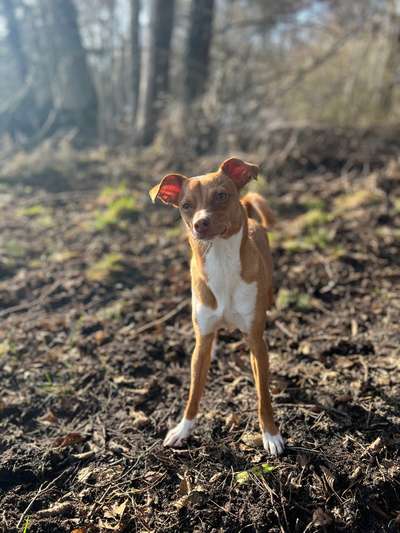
209, 235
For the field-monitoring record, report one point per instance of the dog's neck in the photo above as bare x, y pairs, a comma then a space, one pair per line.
225, 244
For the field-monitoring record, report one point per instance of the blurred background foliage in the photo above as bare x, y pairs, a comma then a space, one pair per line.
195, 75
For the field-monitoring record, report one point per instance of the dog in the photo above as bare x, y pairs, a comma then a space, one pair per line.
231, 274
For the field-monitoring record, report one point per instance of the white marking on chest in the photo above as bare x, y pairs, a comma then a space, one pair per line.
236, 299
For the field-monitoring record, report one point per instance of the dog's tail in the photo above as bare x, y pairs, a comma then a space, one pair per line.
258, 209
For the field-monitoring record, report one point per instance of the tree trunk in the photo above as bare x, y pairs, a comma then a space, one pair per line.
136, 62
157, 79
73, 90
197, 52
391, 68
14, 39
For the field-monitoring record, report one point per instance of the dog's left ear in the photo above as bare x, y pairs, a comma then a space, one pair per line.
239, 171
169, 189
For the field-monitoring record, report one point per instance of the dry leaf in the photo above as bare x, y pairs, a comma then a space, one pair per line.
116, 510
184, 487
321, 518
215, 477
354, 475
305, 348
375, 446
232, 420
48, 418
140, 420
329, 477
126, 380
83, 456
254, 440
196, 496
69, 439
105, 524
85, 473
303, 459
57, 508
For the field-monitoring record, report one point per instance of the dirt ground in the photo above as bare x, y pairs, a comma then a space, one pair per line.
95, 343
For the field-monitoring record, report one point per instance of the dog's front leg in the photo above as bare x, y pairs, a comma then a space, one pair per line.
199, 367
272, 439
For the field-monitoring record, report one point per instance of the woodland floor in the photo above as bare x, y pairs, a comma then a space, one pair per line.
90, 385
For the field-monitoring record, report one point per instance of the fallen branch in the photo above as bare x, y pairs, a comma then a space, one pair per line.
157, 321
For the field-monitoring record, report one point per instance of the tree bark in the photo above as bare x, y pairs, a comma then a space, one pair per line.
197, 51
157, 79
136, 62
73, 89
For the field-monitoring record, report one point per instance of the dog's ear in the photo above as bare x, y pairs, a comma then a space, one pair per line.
169, 189
239, 171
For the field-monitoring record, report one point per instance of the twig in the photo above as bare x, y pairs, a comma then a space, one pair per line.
30, 305
157, 321
284, 329
39, 492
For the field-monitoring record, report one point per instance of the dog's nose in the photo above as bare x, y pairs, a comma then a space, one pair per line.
202, 224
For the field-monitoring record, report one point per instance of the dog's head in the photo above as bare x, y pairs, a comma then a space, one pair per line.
209, 204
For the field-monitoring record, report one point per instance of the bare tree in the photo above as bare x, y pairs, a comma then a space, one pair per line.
197, 52
73, 90
136, 62
157, 79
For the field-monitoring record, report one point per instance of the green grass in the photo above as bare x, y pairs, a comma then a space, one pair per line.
117, 214
39, 213
14, 248
26, 525
33, 211
104, 268
113, 311
260, 470
8, 348
295, 299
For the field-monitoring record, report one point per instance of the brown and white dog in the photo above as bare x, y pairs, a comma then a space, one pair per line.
231, 270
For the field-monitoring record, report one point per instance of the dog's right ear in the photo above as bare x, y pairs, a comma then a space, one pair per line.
169, 189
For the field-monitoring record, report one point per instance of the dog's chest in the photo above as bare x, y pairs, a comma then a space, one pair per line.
235, 298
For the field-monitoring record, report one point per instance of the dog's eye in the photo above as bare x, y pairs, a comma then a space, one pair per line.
221, 196
186, 206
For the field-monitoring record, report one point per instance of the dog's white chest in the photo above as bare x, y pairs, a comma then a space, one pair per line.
235, 298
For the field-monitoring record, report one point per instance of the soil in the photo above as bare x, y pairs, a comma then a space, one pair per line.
94, 364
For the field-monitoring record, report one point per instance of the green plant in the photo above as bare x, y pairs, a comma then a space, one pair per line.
105, 267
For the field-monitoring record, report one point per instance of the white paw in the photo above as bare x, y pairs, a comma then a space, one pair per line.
273, 443
177, 435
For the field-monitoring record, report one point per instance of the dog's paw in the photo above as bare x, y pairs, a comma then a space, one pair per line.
274, 444
177, 435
